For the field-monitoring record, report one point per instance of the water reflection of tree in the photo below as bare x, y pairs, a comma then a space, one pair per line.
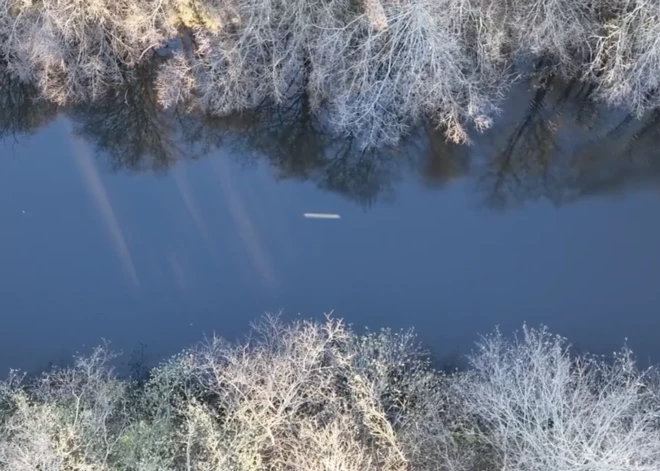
521, 165
132, 132
563, 146
21, 110
293, 142
442, 161
128, 126
296, 144
559, 145
626, 154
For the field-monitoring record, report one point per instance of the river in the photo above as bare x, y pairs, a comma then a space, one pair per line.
126, 223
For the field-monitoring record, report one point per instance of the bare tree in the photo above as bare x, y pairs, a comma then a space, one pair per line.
66, 419
560, 32
289, 399
316, 395
541, 409
371, 71
626, 65
77, 50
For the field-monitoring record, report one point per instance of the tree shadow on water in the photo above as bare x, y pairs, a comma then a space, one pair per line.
296, 146
552, 142
564, 146
22, 111
129, 128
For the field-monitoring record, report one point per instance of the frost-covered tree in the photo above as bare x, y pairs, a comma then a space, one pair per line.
76, 50
626, 65
541, 409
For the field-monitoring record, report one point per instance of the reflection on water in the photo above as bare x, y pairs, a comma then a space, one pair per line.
564, 146
550, 141
245, 226
20, 110
97, 192
202, 245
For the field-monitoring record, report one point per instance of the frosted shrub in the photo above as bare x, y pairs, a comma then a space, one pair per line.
151, 440
557, 31
298, 396
414, 397
77, 50
290, 399
626, 66
414, 66
371, 71
542, 410
253, 55
64, 420
317, 396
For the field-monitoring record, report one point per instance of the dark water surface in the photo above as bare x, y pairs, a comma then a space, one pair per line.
125, 223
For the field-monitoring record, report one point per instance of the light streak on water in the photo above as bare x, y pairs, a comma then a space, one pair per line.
97, 191
246, 227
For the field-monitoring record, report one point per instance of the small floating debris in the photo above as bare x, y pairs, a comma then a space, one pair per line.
321, 216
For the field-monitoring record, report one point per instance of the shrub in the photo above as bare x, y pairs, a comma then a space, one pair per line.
76, 50
416, 65
541, 409
289, 399
559, 31
371, 71
309, 395
626, 65
66, 419
151, 439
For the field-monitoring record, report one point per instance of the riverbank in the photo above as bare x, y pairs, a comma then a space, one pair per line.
309, 395
368, 69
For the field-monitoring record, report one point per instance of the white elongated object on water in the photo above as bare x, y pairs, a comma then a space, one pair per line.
321, 216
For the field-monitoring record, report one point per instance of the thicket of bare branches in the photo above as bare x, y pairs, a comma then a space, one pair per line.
626, 64
561, 32
77, 50
539, 408
372, 69
304, 395
66, 419
308, 395
298, 396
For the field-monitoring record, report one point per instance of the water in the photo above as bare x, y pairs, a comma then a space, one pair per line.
124, 223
